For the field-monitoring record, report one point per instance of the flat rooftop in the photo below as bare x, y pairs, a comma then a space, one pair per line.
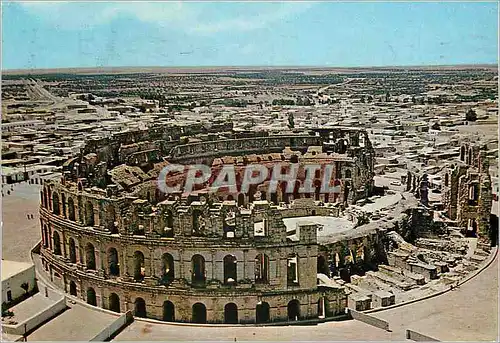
11, 268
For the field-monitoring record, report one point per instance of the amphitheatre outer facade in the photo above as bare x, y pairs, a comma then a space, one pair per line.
111, 238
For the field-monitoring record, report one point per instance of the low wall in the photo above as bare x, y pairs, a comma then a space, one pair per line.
365, 318
37, 319
416, 336
110, 330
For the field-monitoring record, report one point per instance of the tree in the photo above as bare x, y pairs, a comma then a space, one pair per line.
471, 115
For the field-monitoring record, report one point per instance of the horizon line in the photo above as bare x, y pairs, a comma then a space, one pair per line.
54, 70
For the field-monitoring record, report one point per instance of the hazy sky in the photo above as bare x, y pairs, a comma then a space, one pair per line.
85, 34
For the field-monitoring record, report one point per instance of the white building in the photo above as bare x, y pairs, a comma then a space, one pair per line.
14, 275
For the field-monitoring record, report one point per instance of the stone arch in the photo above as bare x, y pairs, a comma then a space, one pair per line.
167, 269
46, 236
90, 256
114, 302
113, 262
63, 200
198, 269
56, 243
199, 313
139, 266
72, 288
55, 204
168, 311
231, 313
89, 214
230, 269
323, 310
71, 209
72, 250
91, 297
322, 266
293, 310
262, 268
241, 199
140, 308
262, 311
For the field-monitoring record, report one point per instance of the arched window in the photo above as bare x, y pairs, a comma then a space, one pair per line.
114, 303
197, 223
168, 311
241, 199
261, 268
89, 214
72, 250
71, 209
446, 179
46, 242
322, 267
230, 269
139, 266
199, 313
167, 268
231, 313
91, 297
169, 222
140, 308
198, 269
63, 199
292, 269
462, 153
90, 256
55, 204
293, 310
262, 313
57, 243
113, 264
72, 288
348, 174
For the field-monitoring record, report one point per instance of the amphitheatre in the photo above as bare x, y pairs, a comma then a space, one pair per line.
112, 239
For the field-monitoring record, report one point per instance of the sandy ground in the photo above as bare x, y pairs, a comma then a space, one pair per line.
20, 234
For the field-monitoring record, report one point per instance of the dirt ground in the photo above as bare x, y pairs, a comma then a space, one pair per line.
20, 234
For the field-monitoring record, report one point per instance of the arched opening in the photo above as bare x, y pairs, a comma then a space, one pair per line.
63, 200
230, 197
322, 266
45, 198
167, 268
197, 227
56, 243
231, 314
168, 311
230, 269
72, 250
91, 297
90, 256
113, 264
55, 204
323, 307
42, 199
72, 288
198, 269
71, 209
49, 197
199, 313
462, 153
114, 303
45, 236
140, 308
111, 217
139, 266
348, 174
89, 214
261, 268
446, 179
293, 310
262, 313
169, 222
292, 269
241, 199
